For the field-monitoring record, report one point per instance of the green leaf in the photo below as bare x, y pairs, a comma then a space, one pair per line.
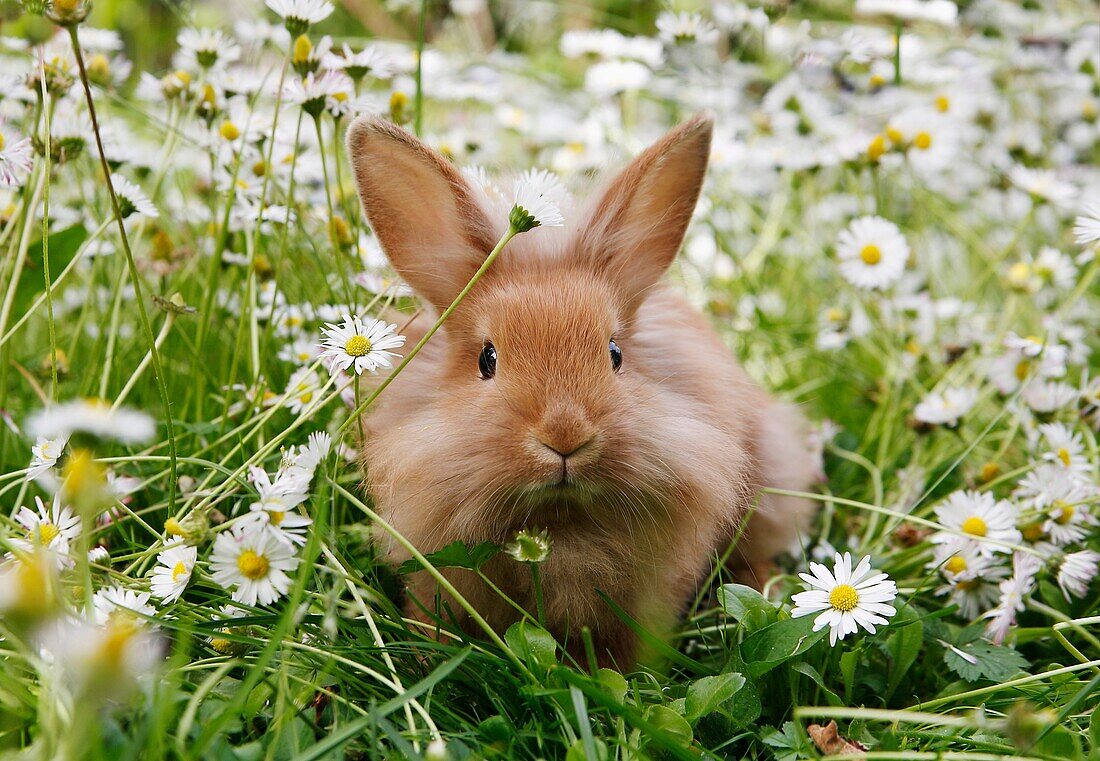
1094, 729
745, 708
745, 605
614, 683
577, 752
532, 643
668, 720
830, 697
454, 555
765, 649
706, 694
994, 662
904, 645
848, 663
789, 744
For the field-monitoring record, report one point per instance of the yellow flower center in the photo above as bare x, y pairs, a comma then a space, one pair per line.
1, 141
1022, 369
252, 565
877, 80
229, 130
895, 135
989, 471
120, 630
173, 527
340, 96
975, 526
923, 141
943, 104
357, 346
844, 597
179, 570
969, 584
871, 254
47, 532
222, 645
303, 48
276, 517
876, 148
1033, 533
1019, 274
1063, 455
956, 564
1066, 512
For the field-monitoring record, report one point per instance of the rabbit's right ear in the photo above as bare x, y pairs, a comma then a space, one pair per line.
420, 207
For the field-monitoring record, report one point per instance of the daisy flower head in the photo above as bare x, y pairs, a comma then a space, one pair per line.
302, 388
173, 570
252, 563
316, 92
1086, 227
979, 518
372, 61
302, 461
1069, 518
1042, 184
16, 157
1065, 447
943, 12
101, 662
94, 417
207, 47
872, 253
44, 455
682, 28
1047, 397
359, 345
116, 602
132, 199
845, 598
52, 528
1013, 596
275, 507
945, 408
1077, 571
971, 576
299, 15
536, 201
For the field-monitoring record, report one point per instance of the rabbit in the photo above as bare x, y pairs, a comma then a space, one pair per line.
572, 391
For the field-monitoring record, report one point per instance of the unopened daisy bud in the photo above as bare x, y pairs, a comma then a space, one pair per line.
68, 12
301, 52
193, 529
988, 472
436, 751
528, 547
1019, 276
876, 81
339, 232
537, 195
35, 7
99, 70
876, 148
943, 104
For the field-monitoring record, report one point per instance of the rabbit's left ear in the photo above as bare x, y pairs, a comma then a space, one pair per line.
634, 229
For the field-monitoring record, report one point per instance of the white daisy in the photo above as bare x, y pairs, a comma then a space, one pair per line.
16, 157
845, 599
277, 500
370, 61
359, 345
44, 455
1013, 594
52, 527
207, 48
537, 197
95, 417
972, 577
980, 518
174, 566
132, 199
1069, 517
302, 461
679, 28
1045, 397
945, 408
299, 15
100, 662
1086, 227
1077, 571
253, 563
115, 601
943, 12
1065, 448
302, 389
872, 253
314, 93
1042, 183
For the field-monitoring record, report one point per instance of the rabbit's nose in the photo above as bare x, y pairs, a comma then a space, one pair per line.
565, 450
565, 432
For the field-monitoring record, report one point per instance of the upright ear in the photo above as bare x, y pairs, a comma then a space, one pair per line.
636, 226
421, 208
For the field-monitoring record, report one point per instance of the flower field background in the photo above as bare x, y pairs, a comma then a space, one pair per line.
898, 232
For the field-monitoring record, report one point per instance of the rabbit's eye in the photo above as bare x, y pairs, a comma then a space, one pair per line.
487, 361
616, 355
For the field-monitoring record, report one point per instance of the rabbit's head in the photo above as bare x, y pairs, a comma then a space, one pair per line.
547, 386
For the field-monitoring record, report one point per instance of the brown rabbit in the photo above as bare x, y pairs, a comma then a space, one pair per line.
571, 391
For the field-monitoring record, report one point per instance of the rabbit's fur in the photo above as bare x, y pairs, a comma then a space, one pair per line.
675, 445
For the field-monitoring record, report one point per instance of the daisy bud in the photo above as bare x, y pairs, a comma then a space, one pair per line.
99, 70
529, 548
193, 529
399, 101
68, 12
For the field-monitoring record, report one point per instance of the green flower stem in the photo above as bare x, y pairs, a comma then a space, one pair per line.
510, 233
439, 577
897, 53
135, 278
47, 112
536, 582
330, 228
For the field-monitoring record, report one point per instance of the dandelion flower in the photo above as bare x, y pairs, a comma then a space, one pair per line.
872, 253
1077, 571
980, 518
253, 563
845, 598
173, 571
44, 455
359, 345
